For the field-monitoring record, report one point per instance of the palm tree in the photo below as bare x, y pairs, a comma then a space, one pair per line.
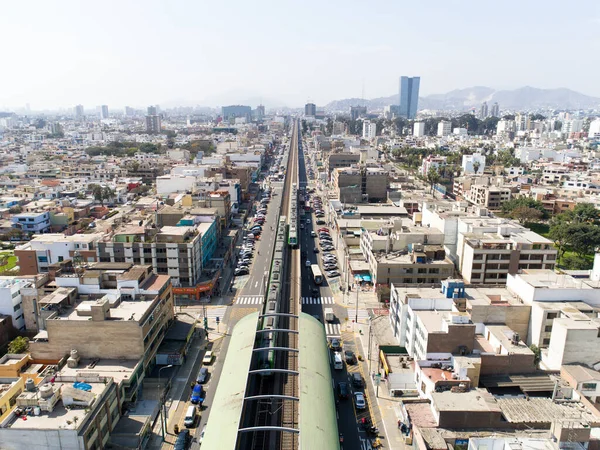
476, 166
433, 176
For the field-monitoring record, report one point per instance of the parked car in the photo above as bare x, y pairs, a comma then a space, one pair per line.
350, 357
359, 400
313, 234
198, 395
241, 271
202, 375
183, 440
320, 222
333, 273
208, 357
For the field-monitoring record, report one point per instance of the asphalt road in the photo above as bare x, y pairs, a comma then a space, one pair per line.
347, 415
263, 252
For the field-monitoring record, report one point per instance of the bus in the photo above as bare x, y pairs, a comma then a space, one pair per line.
317, 275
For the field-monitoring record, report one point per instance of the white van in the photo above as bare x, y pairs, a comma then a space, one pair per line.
190, 417
338, 362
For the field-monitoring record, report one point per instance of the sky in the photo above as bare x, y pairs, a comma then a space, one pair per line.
56, 54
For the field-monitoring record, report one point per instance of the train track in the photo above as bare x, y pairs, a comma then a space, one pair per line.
278, 412
289, 412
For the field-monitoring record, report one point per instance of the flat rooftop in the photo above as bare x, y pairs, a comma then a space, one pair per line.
476, 400
175, 231
126, 310
432, 320
52, 238
548, 279
504, 334
116, 368
60, 417
543, 410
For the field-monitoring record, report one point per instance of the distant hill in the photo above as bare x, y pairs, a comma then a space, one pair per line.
525, 98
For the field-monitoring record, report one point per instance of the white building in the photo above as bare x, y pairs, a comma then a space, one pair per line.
594, 129
432, 162
505, 126
572, 126
369, 130
419, 129
11, 303
444, 128
460, 132
468, 162
169, 184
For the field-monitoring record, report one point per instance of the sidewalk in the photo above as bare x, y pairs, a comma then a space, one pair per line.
387, 407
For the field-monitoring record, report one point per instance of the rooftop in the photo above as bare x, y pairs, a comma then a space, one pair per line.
476, 400
543, 410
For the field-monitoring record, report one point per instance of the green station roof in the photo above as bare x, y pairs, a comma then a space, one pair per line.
226, 410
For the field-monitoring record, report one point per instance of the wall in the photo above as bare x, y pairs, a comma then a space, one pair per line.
108, 339
568, 345
31, 439
27, 261
513, 363
516, 316
457, 335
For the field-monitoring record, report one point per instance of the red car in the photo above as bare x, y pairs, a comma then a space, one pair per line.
324, 230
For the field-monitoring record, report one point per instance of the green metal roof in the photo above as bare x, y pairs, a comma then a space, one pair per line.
317, 417
226, 410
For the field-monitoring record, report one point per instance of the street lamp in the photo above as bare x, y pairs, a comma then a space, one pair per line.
163, 414
370, 335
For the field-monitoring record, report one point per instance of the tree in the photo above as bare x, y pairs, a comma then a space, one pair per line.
537, 354
559, 233
433, 177
584, 238
476, 166
526, 214
107, 193
509, 206
97, 193
18, 345
17, 209
584, 212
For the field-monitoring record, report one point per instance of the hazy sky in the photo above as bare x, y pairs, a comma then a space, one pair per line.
61, 53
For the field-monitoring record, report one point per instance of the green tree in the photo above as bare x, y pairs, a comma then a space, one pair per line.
510, 205
537, 354
559, 233
584, 212
526, 214
476, 166
18, 345
107, 193
433, 177
584, 238
97, 192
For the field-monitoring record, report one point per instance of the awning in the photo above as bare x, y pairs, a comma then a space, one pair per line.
360, 277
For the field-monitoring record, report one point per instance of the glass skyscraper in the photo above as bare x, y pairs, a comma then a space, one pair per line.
409, 96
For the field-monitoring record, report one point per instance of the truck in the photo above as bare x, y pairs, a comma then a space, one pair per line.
329, 315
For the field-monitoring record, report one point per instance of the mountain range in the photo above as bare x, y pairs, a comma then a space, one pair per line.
521, 99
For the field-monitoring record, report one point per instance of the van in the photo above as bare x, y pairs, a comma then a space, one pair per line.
190, 417
338, 362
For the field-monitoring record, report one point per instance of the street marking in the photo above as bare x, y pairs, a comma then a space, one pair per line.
253, 300
318, 300
363, 315
212, 313
333, 330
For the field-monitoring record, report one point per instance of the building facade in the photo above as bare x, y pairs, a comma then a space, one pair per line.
409, 96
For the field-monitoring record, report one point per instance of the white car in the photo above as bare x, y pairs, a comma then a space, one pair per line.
208, 357
359, 400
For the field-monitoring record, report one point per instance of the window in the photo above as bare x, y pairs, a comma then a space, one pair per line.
546, 342
551, 316
422, 270
43, 259
61, 259
17, 307
589, 386
548, 328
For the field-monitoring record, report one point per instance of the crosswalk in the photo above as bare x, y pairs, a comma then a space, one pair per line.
333, 330
318, 301
363, 315
250, 300
213, 313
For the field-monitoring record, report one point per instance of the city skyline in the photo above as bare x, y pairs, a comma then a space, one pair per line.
91, 66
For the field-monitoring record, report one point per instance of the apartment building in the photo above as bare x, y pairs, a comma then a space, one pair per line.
32, 222
45, 249
175, 251
432, 162
340, 160
488, 258
491, 197
356, 185
111, 311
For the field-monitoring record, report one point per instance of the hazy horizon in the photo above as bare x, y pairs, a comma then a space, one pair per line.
210, 54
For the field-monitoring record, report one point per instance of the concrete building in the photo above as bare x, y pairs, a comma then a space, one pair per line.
489, 257
175, 251
432, 162
341, 160
237, 111
594, 131
153, 124
357, 111
369, 130
11, 301
109, 311
495, 111
491, 197
444, 128
79, 113
103, 112
45, 249
169, 184
310, 109
419, 129
483, 111
409, 96
469, 162
32, 222
357, 185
